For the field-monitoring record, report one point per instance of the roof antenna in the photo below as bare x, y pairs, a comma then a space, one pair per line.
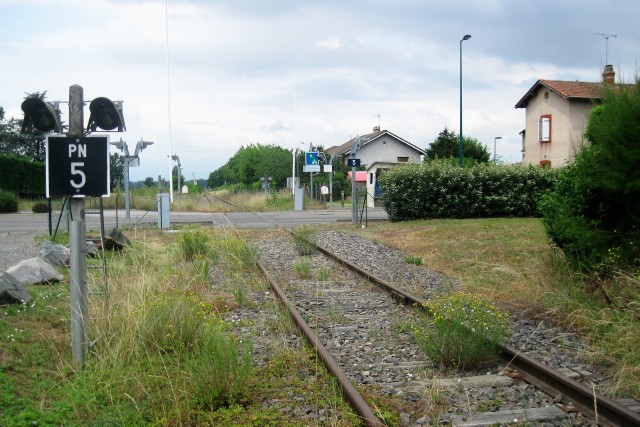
606, 45
378, 115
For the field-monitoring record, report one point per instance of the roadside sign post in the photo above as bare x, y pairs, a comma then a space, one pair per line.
77, 166
354, 163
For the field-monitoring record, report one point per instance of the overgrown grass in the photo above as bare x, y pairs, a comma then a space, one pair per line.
510, 261
304, 238
164, 352
195, 241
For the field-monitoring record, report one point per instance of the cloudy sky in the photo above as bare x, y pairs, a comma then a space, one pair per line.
201, 78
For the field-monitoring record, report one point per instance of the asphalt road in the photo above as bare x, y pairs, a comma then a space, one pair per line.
21, 222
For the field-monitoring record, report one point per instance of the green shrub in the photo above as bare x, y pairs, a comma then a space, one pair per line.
8, 202
463, 330
440, 189
592, 213
40, 207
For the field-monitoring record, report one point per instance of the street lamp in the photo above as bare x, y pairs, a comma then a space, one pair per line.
494, 147
466, 37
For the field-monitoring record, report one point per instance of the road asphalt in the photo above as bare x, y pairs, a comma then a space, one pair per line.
27, 221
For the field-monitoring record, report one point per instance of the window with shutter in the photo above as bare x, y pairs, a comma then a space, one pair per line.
544, 128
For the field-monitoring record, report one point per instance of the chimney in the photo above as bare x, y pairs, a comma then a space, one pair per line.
608, 75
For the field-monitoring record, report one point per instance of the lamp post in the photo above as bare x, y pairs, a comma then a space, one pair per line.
466, 37
494, 147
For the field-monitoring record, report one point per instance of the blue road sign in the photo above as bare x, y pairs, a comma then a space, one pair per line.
311, 158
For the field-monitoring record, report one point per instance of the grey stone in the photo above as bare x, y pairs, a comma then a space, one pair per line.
92, 249
55, 254
12, 291
34, 270
115, 240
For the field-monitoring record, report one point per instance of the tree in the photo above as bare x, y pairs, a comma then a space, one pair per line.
116, 171
252, 162
472, 148
148, 182
593, 214
447, 145
174, 173
444, 146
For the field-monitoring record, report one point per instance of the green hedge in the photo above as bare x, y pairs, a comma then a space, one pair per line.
21, 176
438, 189
8, 202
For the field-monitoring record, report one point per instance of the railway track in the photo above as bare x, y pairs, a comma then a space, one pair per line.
354, 319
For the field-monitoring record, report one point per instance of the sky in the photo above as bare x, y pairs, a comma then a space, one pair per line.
202, 78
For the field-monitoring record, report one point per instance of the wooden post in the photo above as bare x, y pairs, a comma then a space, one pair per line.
77, 241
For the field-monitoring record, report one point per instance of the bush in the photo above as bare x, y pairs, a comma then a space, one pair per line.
592, 213
439, 189
40, 207
464, 330
8, 202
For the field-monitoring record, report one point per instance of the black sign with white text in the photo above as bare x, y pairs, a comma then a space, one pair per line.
77, 166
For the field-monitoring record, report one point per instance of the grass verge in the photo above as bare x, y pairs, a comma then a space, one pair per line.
169, 348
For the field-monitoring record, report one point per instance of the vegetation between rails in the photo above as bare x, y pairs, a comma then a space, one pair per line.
463, 330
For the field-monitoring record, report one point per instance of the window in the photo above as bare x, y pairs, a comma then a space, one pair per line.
371, 178
403, 159
544, 128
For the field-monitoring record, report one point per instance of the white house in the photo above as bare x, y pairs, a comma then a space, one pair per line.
380, 150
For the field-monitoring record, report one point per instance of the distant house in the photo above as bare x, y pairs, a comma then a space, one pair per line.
380, 150
557, 113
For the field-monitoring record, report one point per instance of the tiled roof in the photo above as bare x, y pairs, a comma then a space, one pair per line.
345, 148
566, 89
575, 89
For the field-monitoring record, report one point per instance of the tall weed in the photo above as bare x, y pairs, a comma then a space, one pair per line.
463, 331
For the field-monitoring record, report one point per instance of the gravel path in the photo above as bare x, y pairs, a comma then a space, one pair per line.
16, 247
